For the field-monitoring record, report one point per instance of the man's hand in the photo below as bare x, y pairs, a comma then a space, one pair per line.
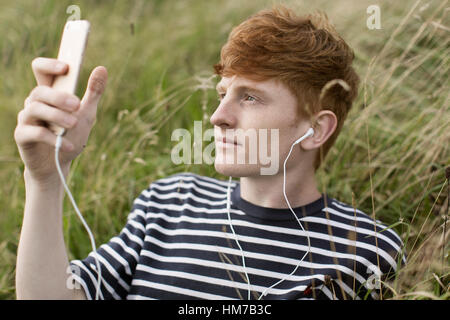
35, 141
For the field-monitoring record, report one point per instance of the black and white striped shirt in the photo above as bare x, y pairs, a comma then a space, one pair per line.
177, 244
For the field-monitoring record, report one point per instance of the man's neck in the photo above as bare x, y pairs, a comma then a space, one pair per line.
267, 191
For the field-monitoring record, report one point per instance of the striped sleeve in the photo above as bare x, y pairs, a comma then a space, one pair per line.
118, 259
383, 250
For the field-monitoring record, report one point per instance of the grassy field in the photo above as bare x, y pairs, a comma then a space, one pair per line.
389, 160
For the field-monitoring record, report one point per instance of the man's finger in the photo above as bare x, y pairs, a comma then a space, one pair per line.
95, 87
45, 69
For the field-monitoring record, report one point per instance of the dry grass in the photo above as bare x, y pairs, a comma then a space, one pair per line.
390, 158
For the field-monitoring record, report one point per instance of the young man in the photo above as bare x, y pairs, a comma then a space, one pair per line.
266, 236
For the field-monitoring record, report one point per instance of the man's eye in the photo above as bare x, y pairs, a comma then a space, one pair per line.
249, 98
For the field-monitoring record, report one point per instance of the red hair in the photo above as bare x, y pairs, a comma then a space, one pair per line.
302, 52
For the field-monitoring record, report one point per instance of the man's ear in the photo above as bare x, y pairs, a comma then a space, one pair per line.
324, 126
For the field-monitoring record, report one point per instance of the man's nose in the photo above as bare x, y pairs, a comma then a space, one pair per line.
225, 115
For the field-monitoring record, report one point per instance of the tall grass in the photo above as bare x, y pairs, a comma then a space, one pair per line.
389, 160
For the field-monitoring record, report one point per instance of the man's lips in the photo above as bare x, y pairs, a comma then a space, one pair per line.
227, 141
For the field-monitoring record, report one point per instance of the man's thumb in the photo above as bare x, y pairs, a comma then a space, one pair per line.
95, 87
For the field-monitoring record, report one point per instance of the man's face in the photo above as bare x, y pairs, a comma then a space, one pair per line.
254, 126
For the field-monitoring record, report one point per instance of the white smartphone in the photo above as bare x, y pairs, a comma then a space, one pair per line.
71, 51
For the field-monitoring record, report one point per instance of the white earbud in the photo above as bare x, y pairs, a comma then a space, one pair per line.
308, 133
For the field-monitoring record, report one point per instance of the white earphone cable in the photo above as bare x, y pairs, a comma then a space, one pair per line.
235, 237
91, 236
310, 132
298, 220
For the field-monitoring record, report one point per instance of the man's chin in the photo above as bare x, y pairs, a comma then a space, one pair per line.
237, 170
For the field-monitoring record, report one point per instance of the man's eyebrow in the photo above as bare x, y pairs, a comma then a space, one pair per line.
252, 89
220, 87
